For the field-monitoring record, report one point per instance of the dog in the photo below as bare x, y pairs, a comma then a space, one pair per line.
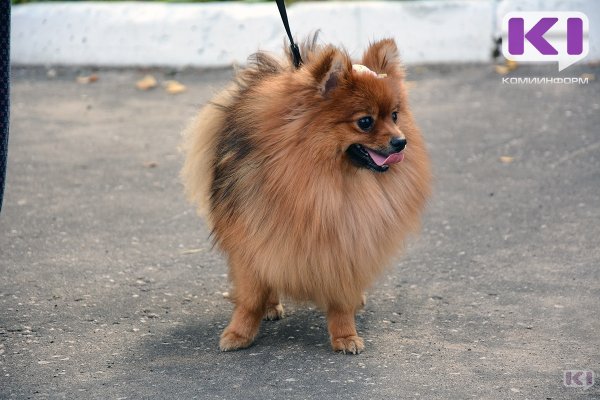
310, 179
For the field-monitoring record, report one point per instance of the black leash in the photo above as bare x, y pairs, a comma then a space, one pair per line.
286, 25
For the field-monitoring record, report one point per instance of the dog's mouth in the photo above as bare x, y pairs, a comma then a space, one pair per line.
374, 160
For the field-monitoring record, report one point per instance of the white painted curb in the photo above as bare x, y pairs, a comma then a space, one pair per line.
221, 34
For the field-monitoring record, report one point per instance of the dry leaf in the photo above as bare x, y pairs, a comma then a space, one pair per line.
506, 159
84, 80
501, 69
174, 87
511, 65
146, 83
508, 66
591, 77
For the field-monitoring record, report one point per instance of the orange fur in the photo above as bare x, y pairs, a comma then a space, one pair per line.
266, 164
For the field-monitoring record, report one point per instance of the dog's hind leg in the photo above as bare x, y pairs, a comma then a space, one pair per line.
250, 297
274, 307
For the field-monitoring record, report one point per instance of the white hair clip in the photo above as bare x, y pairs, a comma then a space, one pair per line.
362, 69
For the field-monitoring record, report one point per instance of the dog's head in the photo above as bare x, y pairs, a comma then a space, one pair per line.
362, 106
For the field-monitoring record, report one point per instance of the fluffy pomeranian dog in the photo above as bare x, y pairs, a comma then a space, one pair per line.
310, 179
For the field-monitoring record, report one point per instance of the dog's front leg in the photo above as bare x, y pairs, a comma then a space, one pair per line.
342, 330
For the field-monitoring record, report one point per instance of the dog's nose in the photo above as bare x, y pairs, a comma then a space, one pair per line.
398, 143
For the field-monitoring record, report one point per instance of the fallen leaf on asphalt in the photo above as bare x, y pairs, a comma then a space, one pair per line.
508, 66
151, 164
501, 69
174, 87
146, 83
506, 159
511, 64
84, 80
591, 77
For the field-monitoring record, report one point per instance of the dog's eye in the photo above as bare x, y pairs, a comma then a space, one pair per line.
395, 116
365, 123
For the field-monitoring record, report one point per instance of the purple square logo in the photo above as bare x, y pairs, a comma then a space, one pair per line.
546, 37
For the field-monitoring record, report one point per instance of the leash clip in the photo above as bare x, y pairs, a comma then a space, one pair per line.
293, 46
296, 54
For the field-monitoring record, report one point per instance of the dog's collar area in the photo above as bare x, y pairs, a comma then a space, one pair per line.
361, 158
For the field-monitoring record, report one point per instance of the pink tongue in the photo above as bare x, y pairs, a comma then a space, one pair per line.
381, 160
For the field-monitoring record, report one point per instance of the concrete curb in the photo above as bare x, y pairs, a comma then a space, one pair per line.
221, 34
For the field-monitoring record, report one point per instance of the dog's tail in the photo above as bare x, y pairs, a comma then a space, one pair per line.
199, 147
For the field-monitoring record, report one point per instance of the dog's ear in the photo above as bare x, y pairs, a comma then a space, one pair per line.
328, 69
383, 57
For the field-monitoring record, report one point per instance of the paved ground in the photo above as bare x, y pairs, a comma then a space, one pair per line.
110, 289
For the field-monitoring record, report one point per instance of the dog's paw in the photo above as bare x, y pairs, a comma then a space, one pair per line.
348, 345
274, 312
232, 341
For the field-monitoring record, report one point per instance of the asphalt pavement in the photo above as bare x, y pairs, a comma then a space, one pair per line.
110, 288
